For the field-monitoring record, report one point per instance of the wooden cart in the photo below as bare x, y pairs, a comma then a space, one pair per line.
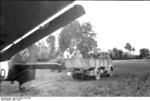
90, 66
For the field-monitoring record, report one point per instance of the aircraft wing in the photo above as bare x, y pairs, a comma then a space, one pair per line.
40, 65
18, 17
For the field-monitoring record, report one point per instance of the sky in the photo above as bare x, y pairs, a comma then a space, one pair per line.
119, 22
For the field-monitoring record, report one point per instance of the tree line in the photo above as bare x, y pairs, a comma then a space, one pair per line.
81, 37
118, 54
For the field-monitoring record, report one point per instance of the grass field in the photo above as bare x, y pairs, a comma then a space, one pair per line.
130, 78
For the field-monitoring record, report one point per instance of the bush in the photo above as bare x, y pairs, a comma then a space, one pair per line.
147, 57
44, 54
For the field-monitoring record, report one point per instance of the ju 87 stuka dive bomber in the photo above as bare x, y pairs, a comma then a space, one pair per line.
20, 17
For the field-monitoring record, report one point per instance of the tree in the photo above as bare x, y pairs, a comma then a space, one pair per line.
120, 54
133, 49
128, 47
29, 54
51, 41
144, 52
80, 35
116, 53
43, 54
126, 55
68, 33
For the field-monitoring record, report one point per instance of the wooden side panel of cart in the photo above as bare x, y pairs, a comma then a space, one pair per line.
86, 63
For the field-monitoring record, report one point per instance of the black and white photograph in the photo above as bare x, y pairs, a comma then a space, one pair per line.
74, 48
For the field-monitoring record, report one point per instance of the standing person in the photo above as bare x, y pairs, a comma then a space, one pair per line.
79, 55
67, 53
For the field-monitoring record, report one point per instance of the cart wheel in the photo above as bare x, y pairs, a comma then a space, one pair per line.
111, 68
21, 88
110, 74
98, 74
75, 76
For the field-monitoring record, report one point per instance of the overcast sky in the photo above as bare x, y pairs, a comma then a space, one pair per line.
118, 23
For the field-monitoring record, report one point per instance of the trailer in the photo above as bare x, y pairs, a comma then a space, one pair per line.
91, 66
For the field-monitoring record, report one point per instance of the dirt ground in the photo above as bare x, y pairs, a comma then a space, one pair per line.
130, 78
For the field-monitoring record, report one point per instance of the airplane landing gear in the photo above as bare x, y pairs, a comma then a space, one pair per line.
21, 87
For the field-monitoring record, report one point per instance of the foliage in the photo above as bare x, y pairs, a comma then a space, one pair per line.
80, 35
51, 41
144, 52
116, 53
44, 53
129, 48
33, 49
29, 54
133, 49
